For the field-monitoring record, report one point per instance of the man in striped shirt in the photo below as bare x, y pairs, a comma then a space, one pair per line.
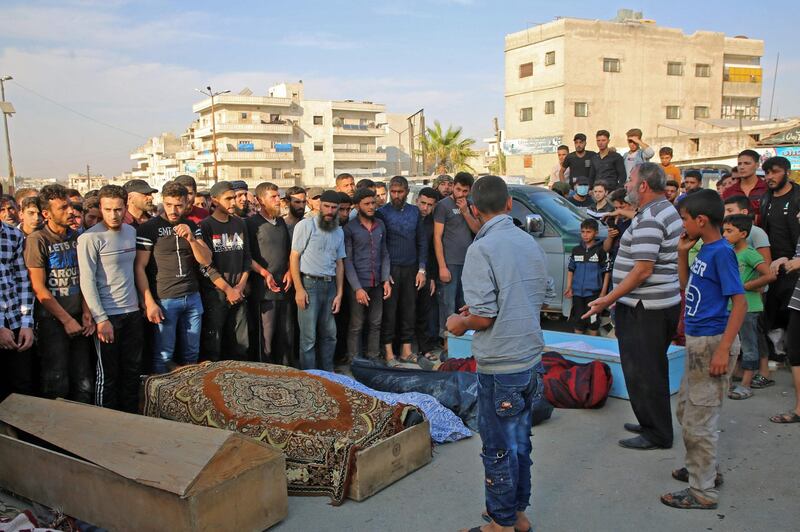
647, 293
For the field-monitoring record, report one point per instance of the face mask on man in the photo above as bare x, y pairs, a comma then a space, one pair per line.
582, 190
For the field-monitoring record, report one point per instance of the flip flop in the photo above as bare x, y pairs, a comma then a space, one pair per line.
787, 417
686, 501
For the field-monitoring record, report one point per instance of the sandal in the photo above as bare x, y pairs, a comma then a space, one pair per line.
740, 392
430, 355
760, 381
682, 474
788, 417
392, 363
411, 359
686, 501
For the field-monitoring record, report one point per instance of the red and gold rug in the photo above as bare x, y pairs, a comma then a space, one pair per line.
318, 424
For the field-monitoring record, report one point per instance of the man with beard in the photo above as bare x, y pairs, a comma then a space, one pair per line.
242, 204
345, 214
427, 312
269, 248
443, 185
194, 213
169, 249
346, 183
63, 321
296, 199
223, 288
779, 209
647, 293
748, 183
106, 254
313, 199
578, 162
408, 254
140, 202
316, 263
9, 212
367, 269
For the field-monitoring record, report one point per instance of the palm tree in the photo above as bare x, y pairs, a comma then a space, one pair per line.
447, 149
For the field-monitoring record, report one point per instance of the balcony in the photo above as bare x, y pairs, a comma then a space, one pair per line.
743, 89
235, 156
235, 99
350, 105
139, 155
248, 129
358, 131
355, 154
186, 155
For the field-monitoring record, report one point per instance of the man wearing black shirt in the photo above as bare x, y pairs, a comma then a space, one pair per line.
579, 162
582, 197
225, 312
168, 252
608, 165
269, 248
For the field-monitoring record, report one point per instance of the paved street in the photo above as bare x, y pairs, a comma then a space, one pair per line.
583, 481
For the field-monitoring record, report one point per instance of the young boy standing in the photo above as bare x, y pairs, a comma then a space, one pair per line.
711, 338
754, 273
588, 275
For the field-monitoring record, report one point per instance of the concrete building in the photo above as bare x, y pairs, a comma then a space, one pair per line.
84, 184
156, 161
573, 75
283, 138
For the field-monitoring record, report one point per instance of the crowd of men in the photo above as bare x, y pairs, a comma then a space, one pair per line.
115, 286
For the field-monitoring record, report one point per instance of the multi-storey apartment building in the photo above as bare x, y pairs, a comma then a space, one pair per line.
573, 75
156, 161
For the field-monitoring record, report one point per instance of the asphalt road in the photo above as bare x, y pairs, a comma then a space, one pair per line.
583, 481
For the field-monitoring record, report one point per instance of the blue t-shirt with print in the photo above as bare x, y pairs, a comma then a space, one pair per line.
714, 278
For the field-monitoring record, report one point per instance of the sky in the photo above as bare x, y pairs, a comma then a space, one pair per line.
93, 79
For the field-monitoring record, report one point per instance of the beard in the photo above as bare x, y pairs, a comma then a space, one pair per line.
327, 225
297, 213
272, 211
363, 214
781, 183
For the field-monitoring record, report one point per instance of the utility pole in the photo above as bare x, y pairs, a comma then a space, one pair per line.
501, 160
774, 82
88, 178
211, 94
7, 109
413, 162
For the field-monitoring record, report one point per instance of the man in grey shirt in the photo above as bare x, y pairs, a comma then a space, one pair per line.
318, 276
505, 277
106, 253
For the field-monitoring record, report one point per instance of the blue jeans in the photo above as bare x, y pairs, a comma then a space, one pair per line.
748, 335
182, 316
505, 420
317, 324
451, 296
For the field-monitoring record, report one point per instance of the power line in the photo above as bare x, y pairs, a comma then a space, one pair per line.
82, 115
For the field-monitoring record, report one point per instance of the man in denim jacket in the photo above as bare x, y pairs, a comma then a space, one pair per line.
504, 287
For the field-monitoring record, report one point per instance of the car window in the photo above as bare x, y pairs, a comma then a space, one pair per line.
560, 211
518, 212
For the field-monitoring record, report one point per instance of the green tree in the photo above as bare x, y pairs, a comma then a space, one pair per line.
446, 149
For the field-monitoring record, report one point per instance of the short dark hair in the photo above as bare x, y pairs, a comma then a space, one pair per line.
380, 184
344, 197
262, 188
618, 195
590, 223
432, 193
490, 194
563, 147
51, 192
742, 222
781, 162
601, 183
73, 192
362, 193
704, 202
343, 176
365, 183
111, 191
464, 179
672, 183
92, 193
293, 191
753, 154
7, 198
174, 190
187, 181
579, 136
30, 201
634, 132
740, 200
603, 133
92, 203
23, 191
666, 150
693, 173
399, 181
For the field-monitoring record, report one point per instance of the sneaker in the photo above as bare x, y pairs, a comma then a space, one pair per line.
760, 381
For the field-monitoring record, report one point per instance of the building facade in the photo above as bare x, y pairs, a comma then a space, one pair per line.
156, 161
573, 76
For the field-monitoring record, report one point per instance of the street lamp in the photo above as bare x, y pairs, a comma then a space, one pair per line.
7, 109
399, 145
211, 94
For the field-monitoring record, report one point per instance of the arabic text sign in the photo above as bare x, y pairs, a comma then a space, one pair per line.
790, 152
531, 146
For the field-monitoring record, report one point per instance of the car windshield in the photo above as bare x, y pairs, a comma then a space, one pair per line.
561, 212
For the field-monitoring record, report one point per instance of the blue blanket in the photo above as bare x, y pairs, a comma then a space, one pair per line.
445, 425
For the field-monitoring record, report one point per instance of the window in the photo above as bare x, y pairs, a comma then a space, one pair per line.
317, 120
549, 58
526, 114
319, 171
581, 109
244, 116
610, 64
318, 146
701, 111
694, 144
245, 173
673, 112
526, 70
674, 69
550, 107
702, 71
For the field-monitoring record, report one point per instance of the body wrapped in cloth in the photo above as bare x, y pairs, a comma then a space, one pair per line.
318, 424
